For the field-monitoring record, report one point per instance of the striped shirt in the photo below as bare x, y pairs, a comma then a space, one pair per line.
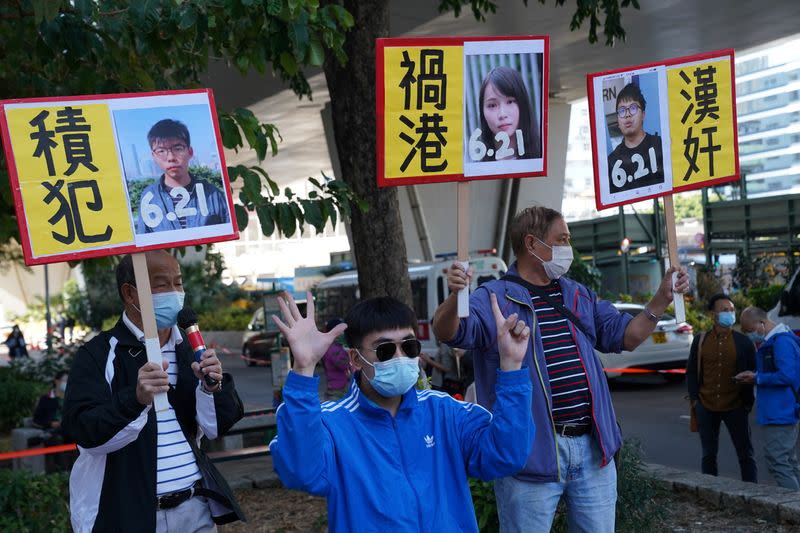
568, 382
176, 468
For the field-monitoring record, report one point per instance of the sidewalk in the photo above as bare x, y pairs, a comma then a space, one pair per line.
772, 503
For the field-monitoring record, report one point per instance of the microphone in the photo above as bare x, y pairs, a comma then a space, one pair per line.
187, 320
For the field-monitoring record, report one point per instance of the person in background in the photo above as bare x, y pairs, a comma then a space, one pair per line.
16, 343
337, 364
777, 380
48, 410
715, 358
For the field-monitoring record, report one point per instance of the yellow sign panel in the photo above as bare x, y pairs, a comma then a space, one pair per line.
423, 111
701, 122
69, 177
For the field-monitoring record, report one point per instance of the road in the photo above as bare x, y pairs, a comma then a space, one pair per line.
648, 408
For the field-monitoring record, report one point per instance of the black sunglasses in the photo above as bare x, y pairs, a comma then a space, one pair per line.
386, 350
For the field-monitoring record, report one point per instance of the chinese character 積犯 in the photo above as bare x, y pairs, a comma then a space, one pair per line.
69, 211
77, 149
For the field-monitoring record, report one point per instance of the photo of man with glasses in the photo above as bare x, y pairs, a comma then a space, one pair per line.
637, 160
178, 199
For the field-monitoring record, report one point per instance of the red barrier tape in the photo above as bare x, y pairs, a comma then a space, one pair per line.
645, 371
38, 451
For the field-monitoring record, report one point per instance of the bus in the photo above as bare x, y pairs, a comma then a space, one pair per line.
334, 296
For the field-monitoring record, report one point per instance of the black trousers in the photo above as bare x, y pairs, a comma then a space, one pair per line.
739, 429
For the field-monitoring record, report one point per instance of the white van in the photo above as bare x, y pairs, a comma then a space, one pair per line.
335, 295
787, 310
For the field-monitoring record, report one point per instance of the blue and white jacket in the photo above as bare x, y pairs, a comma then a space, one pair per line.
403, 473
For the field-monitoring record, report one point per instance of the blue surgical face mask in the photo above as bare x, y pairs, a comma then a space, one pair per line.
166, 306
757, 337
727, 318
393, 377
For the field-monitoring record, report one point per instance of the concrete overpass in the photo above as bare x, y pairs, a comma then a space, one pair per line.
661, 29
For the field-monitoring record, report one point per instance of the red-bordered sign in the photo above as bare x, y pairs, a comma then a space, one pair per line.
98, 175
461, 108
663, 127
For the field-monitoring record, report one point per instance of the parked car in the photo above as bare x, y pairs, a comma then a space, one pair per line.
262, 336
666, 348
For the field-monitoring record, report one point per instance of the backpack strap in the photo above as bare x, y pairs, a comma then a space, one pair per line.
558, 306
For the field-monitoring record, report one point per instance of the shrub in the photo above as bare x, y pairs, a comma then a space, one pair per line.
18, 397
44, 370
228, 318
33, 502
765, 297
485, 505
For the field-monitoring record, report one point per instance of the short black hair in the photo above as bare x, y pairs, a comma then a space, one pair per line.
60, 374
717, 297
377, 314
632, 92
125, 274
168, 129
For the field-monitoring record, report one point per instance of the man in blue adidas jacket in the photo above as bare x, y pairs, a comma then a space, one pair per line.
389, 457
777, 380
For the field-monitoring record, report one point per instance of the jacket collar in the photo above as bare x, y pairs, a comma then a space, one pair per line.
568, 288
408, 402
127, 334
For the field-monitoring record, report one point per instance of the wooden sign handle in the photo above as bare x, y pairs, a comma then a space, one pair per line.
151, 343
463, 243
674, 260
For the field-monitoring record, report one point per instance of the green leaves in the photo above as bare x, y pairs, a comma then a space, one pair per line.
584, 9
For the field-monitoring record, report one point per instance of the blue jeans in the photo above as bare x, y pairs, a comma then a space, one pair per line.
781, 455
590, 492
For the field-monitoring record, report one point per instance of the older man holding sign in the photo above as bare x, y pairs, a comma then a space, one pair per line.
140, 468
577, 433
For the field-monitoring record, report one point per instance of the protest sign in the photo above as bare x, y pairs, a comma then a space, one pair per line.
459, 109
113, 174
662, 128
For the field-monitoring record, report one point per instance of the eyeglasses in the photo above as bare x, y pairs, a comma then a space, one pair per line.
632, 110
386, 350
176, 149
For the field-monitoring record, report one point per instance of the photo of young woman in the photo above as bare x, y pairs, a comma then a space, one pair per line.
507, 117
505, 98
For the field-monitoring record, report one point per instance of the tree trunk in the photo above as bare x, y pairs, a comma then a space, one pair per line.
378, 244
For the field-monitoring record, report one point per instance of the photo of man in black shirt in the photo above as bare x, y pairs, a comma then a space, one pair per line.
637, 161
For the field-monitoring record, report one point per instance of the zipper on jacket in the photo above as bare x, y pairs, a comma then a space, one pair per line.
405, 472
541, 380
591, 392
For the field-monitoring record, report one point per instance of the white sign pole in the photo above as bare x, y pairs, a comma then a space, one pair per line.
151, 343
674, 260
463, 243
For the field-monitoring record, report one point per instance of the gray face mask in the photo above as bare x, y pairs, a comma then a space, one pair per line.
559, 264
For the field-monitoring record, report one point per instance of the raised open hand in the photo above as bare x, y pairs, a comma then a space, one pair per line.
512, 338
308, 344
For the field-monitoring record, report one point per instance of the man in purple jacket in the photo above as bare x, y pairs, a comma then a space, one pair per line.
577, 433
